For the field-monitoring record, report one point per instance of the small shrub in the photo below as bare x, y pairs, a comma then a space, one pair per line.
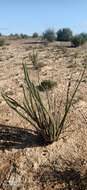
49, 35
46, 85
2, 42
43, 117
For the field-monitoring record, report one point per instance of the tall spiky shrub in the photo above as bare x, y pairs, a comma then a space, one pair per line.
44, 119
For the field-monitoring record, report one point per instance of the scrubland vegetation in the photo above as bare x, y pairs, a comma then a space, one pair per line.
62, 35
43, 118
45, 84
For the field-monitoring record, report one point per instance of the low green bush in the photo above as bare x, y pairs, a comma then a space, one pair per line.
46, 85
2, 41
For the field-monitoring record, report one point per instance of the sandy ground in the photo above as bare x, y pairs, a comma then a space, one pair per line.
24, 162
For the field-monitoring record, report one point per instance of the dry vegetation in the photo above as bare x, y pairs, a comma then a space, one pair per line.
25, 163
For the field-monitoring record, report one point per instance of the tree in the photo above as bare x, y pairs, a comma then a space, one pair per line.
49, 35
79, 39
23, 35
64, 34
83, 35
35, 35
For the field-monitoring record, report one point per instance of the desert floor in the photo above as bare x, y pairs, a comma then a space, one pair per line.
25, 163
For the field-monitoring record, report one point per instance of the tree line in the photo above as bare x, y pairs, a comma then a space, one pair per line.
64, 35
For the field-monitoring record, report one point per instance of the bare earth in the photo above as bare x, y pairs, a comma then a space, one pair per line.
24, 162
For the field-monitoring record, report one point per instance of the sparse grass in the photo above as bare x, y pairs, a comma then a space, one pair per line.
46, 118
35, 61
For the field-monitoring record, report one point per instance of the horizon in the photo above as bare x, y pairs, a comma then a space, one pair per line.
32, 16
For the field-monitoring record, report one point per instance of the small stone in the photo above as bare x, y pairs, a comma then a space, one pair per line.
9, 92
35, 166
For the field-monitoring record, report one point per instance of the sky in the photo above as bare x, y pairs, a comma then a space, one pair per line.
29, 16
